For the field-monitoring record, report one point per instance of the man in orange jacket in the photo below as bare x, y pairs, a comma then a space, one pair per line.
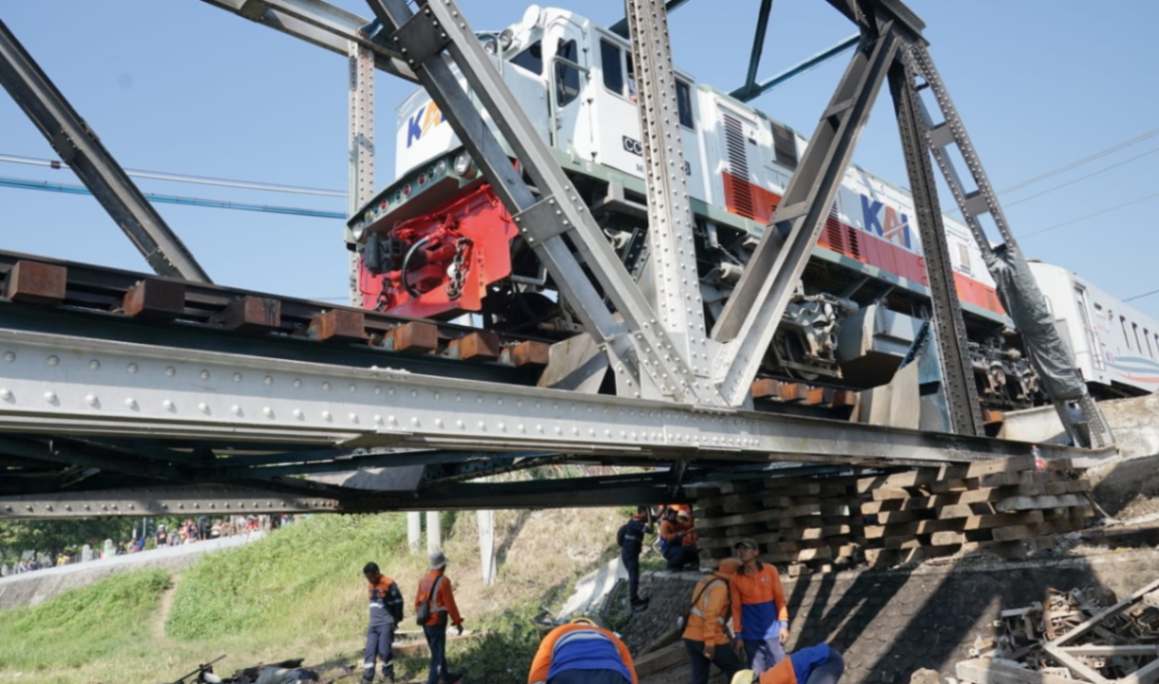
582, 653
678, 540
434, 604
820, 664
763, 612
705, 635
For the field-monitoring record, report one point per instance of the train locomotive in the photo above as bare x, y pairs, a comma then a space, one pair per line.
438, 243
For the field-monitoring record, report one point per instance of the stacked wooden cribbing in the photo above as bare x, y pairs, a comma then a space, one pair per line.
804, 523
998, 504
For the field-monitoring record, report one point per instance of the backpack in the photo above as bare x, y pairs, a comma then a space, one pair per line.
423, 612
394, 602
682, 621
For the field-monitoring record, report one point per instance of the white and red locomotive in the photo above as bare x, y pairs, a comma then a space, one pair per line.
438, 243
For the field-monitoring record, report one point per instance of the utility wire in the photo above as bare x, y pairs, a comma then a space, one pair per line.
187, 178
1141, 295
1084, 160
1092, 174
1100, 212
46, 186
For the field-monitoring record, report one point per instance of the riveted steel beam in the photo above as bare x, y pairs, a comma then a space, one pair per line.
750, 317
64, 385
671, 246
318, 23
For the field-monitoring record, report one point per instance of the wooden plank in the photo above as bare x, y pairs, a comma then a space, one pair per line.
416, 337
154, 299
997, 671
529, 354
480, 345
251, 314
338, 325
965, 510
35, 282
1022, 503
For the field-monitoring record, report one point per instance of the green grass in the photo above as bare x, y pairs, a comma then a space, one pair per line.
269, 588
299, 593
82, 625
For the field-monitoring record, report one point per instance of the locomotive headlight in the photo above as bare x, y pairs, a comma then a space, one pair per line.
463, 165
505, 39
489, 44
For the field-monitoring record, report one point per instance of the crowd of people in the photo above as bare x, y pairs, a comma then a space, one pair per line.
145, 537
737, 619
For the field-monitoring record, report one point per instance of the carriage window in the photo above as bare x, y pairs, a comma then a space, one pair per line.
1123, 324
530, 59
684, 103
567, 77
964, 257
1147, 339
613, 69
1135, 330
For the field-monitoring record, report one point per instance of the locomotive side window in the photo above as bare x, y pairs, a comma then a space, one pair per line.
684, 103
612, 67
530, 59
964, 257
567, 76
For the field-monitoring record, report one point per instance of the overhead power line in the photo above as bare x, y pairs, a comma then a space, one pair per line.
1100, 212
1094, 156
1141, 295
1083, 177
187, 178
46, 186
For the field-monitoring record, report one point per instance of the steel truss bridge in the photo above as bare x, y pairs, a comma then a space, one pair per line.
126, 393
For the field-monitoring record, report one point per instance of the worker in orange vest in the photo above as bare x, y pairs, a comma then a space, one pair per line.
385, 613
706, 637
820, 664
678, 540
762, 612
434, 608
581, 652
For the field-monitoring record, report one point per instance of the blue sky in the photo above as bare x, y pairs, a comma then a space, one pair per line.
181, 86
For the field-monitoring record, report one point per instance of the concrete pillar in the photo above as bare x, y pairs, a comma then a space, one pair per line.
434, 532
485, 521
414, 530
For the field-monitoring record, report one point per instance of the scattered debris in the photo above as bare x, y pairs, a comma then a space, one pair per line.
284, 672
1083, 635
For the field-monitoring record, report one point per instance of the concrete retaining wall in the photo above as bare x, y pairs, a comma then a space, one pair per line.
30, 588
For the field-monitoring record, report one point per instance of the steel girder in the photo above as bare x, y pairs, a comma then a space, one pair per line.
958, 385
318, 23
755, 307
670, 243
79, 146
72, 385
218, 499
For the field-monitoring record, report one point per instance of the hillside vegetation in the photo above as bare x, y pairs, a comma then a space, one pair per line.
299, 593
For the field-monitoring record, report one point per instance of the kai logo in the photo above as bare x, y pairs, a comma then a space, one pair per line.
895, 226
427, 117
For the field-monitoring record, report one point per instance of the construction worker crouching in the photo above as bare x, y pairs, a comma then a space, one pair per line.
678, 540
434, 605
762, 611
820, 664
705, 633
580, 652
385, 614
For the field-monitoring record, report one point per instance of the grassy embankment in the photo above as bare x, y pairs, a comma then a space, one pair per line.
299, 593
